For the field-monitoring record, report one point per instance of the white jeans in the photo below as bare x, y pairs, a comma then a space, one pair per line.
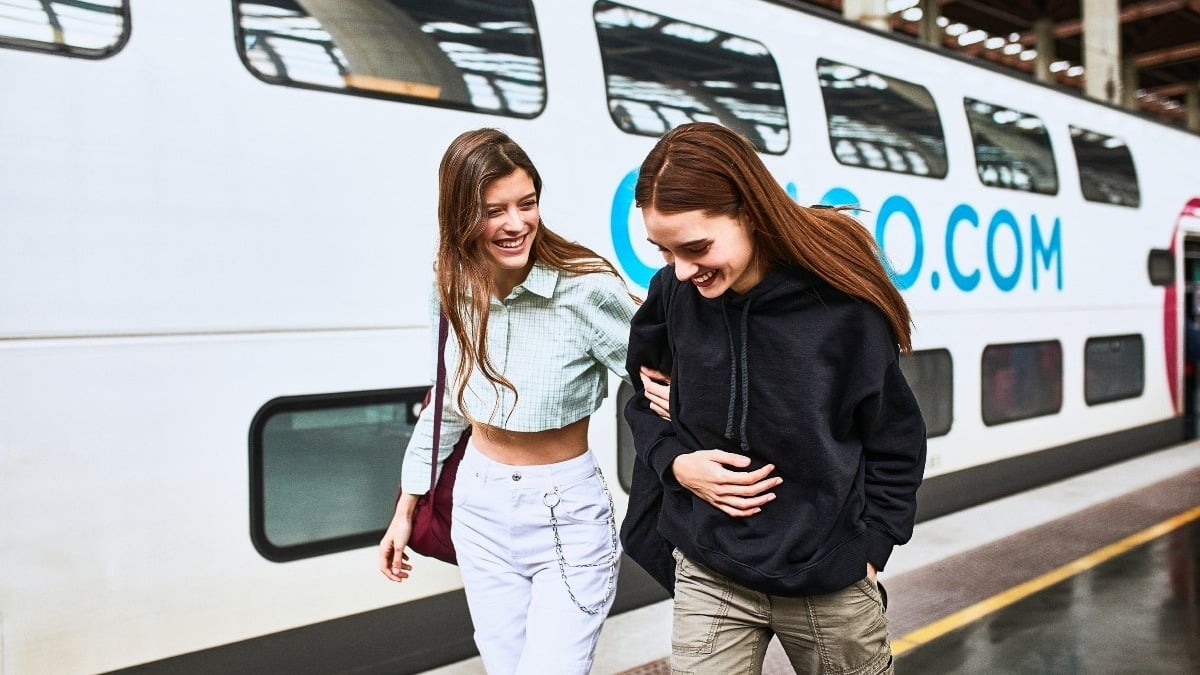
526, 621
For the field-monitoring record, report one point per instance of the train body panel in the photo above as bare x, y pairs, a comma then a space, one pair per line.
198, 263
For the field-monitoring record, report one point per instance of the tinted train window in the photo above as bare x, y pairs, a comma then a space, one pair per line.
324, 470
92, 29
1020, 381
1106, 171
1012, 148
930, 374
1113, 368
480, 56
661, 73
880, 122
1160, 266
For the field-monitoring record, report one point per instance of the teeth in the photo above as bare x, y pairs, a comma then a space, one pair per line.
512, 243
704, 277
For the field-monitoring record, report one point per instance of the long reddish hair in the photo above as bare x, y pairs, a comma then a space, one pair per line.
710, 168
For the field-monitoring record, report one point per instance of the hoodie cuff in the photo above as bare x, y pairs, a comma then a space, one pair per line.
662, 454
879, 547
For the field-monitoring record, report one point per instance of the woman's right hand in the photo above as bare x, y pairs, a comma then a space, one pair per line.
657, 388
393, 561
737, 493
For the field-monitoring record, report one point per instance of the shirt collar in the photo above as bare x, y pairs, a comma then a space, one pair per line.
541, 281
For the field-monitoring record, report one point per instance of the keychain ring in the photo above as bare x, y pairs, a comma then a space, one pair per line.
551, 499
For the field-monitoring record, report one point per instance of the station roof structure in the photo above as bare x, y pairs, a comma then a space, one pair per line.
1161, 38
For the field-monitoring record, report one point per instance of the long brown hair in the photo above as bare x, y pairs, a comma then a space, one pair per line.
710, 168
464, 272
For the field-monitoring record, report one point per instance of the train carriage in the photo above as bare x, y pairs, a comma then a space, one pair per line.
217, 226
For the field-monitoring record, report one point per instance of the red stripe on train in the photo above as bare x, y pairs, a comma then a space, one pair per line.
1171, 321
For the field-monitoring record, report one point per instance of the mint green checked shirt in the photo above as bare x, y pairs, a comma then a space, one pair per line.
554, 337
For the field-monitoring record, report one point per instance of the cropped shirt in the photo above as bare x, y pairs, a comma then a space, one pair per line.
555, 337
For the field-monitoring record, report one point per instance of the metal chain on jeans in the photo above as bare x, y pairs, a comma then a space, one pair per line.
551, 500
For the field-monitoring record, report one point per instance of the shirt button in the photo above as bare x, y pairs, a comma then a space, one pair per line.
516, 476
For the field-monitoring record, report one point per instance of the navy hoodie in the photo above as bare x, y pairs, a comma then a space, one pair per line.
793, 373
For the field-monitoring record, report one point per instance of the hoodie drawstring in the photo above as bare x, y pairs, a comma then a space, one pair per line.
745, 367
740, 364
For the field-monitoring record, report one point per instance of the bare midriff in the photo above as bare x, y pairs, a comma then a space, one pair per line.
525, 448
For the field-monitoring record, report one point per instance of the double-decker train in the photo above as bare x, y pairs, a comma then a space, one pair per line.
217, 227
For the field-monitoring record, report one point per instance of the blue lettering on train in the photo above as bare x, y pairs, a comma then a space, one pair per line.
1032, 249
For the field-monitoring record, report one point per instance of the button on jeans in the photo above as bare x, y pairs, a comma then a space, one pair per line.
526, 621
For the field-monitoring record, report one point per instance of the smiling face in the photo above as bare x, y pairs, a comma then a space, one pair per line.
511, 219
714, 252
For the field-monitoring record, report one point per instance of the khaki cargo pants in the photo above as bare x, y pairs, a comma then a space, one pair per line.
722, 628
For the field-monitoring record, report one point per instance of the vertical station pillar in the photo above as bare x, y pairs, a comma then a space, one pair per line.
1129, 83
1047, 53
928, 30
873, 13
1102, 49
1191, 102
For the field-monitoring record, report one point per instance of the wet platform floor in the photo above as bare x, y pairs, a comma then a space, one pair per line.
1111, 589
1136, 613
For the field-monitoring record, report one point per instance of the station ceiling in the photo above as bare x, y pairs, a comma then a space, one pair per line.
1162, 36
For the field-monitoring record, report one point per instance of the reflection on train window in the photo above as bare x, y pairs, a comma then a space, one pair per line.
880, 122
1106, 171
661, 73
930, 374
324, 470
91, 29
1113, 368
479, 56
1012, 148
1020, 381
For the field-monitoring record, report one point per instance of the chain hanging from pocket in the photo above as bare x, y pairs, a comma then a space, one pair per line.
551, 500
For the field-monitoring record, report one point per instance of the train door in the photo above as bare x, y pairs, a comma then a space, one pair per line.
1191, 333
1189, 226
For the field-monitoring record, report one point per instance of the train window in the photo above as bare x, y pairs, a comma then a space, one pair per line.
930, 374
1106, 171
1020, 381
661, 72
1012, 148
324, 470
93, 29
880, 122
1160, 266
1113, 368
478, 56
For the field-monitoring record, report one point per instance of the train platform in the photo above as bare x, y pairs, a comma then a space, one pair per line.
1097, 574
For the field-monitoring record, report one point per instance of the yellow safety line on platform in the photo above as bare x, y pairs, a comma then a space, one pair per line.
980, 609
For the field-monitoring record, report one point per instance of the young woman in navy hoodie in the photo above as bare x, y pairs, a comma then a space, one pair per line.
790, 465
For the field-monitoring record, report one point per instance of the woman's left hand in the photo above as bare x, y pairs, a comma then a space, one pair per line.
871, 573
657, 388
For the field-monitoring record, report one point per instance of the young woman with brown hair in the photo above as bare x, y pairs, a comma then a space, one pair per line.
790, 465
536, 324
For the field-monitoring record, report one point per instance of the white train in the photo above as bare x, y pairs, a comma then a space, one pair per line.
217, 225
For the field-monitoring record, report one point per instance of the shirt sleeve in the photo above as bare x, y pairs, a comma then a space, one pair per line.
613, 312
654, 438
418, 456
